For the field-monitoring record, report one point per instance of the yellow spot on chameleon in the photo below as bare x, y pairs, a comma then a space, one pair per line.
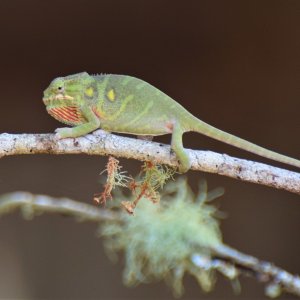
111, 95
89, 91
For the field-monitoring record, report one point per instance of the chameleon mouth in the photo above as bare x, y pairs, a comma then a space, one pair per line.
48, 100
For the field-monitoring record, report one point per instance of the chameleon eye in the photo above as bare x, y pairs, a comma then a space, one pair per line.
60, 88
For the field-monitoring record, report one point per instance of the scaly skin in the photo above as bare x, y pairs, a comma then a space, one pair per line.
125, 104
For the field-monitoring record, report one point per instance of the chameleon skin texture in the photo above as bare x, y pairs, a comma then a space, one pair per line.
125, 104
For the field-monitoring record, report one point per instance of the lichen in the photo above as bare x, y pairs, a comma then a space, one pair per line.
159, 240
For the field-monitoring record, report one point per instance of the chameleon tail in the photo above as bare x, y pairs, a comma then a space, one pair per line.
215, 133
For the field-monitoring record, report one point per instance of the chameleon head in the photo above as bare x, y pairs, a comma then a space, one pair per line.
64, 97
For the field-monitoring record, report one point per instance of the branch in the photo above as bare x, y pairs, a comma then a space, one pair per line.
227, 260
33, 204
103, 143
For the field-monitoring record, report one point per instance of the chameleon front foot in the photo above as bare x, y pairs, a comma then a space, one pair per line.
62, 133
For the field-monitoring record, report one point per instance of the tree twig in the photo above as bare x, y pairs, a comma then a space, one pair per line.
263, 271
227, 260
32, 204
103, 143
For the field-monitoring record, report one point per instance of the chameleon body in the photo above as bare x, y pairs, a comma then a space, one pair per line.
125, 104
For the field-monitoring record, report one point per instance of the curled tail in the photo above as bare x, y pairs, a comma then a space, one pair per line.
215, 133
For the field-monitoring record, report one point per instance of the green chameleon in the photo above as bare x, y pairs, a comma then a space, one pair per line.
126, 104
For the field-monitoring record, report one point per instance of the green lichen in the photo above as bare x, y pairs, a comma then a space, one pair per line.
159, 240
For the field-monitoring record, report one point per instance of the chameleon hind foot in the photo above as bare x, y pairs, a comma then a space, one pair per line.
177, 147
184, 163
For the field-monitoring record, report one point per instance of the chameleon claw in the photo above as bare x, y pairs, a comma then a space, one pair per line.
62, 133
100, 132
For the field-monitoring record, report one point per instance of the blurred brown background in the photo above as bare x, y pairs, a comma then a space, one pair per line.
234, 64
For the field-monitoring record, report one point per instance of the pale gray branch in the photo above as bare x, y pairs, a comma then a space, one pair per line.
103, 143
226, 260
262, 270
33, 204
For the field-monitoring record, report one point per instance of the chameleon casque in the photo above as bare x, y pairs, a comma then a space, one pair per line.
125, 104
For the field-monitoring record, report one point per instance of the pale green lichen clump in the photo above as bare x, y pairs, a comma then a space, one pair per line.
160, 239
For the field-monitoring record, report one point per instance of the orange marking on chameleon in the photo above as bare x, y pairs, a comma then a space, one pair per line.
58, 115
71, 117
66, 115
97, 113
169, 126
72, 111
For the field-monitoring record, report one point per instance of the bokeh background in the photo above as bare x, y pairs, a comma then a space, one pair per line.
234, 64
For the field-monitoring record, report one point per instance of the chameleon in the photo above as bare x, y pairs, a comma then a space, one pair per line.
126, 104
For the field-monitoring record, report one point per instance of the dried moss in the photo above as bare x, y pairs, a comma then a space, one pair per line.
159, 239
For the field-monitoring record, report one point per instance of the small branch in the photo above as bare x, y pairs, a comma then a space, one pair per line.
102, 143
227, 260
33, 204
232, 262
262, 270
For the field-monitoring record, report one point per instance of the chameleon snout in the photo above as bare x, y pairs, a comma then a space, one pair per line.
49, 99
